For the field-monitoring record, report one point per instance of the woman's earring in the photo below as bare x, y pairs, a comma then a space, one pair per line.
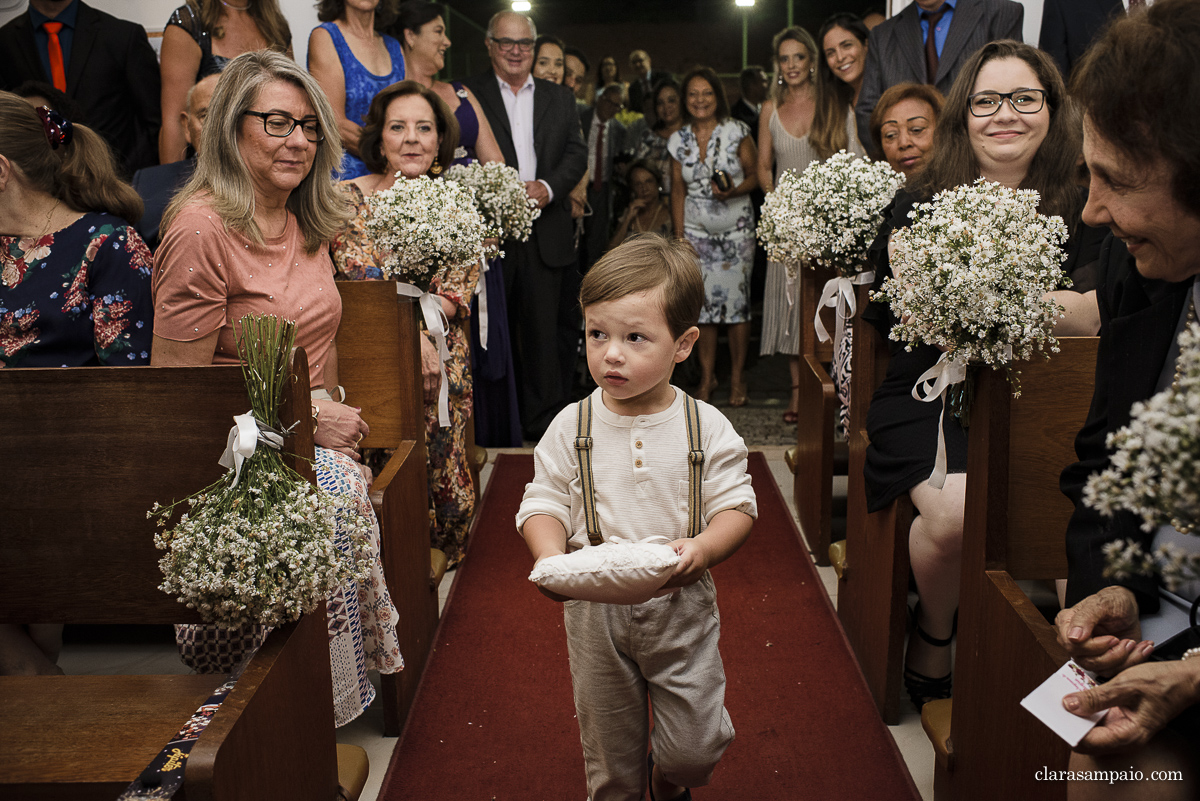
780, 79
812, 71
436, 169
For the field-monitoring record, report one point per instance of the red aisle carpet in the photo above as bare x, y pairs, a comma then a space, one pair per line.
494, 718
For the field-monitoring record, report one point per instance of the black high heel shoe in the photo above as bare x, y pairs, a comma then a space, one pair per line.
921, 688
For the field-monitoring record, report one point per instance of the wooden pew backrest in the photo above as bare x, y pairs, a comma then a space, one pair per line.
126, 438
95, 448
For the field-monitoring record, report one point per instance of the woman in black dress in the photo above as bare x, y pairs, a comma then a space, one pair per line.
1034, 145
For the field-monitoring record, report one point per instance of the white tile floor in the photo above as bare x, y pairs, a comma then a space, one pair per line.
367, 730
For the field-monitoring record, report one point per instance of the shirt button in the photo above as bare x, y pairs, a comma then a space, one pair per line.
638, 463
638, 444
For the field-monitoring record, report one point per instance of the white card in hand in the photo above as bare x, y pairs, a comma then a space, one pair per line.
1046, 703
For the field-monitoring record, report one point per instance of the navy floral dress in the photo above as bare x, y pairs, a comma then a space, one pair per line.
76, 297
722, 231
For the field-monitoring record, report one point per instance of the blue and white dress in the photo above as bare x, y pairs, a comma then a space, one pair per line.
722, 231
361, 86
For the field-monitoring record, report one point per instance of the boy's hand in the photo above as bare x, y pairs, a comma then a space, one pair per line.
693, 561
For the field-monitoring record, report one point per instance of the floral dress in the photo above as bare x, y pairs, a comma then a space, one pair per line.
451, 491
75, 297
722, 231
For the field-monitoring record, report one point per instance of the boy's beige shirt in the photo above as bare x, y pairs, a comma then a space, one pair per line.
640, 470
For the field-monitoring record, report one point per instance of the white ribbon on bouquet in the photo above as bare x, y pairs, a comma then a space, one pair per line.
437, 324
481, 309
839, 294
939, 378
243, 441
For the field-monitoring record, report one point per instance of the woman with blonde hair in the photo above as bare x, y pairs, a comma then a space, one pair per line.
249, 233
794, 130
199, 40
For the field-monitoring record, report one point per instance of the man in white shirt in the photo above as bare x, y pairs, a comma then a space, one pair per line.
537, 128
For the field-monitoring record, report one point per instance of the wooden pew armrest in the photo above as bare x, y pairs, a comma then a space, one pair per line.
243, 753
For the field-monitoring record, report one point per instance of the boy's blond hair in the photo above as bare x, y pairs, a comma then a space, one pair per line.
644, 262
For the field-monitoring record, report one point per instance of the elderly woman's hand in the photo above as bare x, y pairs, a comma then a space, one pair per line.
1140, 701
1102, 632
340, 428
431, 369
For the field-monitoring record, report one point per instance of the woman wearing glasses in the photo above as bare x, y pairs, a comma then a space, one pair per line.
1007, 119
249, 233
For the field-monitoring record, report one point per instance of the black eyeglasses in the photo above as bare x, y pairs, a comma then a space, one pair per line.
281, 125
508, 44
1025, 101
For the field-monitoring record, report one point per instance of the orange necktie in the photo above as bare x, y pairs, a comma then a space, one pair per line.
58, 75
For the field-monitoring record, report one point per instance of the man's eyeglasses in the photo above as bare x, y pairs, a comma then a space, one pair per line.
1025, 101
508, 44
281, 125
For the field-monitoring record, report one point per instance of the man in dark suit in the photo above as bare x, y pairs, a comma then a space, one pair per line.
898, 50
103, 63
753, 83
605, 137
537, 128
641, 88
1069, 26
158, 184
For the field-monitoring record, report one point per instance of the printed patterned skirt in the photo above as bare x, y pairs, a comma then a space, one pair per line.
360, 615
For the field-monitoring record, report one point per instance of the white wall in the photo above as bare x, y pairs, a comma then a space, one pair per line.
153, 15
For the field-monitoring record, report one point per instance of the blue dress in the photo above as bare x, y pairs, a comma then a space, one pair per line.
361, 86
497, 423
76, 297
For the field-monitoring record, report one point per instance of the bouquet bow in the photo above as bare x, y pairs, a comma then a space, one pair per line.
839, 294
243, 441
437, 324
933, 384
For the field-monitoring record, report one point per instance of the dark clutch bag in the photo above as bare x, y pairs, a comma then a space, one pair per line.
722, 180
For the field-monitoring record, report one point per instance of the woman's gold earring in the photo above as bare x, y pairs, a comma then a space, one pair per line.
436, 169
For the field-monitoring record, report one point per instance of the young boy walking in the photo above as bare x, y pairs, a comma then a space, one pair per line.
640, 304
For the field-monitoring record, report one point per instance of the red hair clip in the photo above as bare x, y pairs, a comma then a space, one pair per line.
59, 129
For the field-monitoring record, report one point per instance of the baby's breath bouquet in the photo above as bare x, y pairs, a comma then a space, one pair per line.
508, 213
1154, 472
423, 227
829, 214
971, 275
973, 271
258, 545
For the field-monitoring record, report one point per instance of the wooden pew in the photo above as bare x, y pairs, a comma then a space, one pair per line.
90, 450
873, 580
1015, 523
379, 364
812, 460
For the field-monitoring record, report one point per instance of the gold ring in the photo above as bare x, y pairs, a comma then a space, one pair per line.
358, 440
